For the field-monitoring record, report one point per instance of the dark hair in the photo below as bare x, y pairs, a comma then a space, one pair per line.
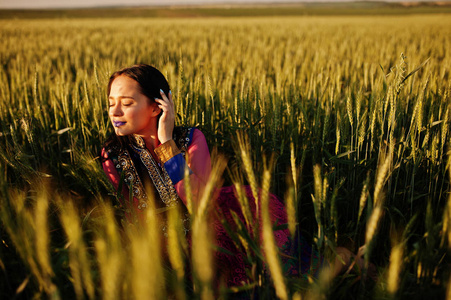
150, 80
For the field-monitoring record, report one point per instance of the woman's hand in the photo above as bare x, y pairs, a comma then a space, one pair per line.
167, 119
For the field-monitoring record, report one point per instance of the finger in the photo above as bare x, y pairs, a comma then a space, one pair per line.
164, 108
162, 102
168, 105
171, 100
163, 95
170, 97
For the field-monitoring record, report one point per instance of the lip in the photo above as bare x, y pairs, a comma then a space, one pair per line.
118, 123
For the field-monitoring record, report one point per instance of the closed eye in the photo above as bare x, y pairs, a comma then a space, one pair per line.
124, 100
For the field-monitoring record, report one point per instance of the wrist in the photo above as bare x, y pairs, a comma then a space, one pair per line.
167, 150
164, 140
164, 135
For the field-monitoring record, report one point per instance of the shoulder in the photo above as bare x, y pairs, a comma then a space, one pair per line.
198, 137
113, 146
103, 154
183, 136
108, 155
187, 138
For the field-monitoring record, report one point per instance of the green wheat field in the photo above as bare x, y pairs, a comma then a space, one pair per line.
345, 118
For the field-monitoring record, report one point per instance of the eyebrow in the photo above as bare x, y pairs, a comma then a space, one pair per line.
120, 97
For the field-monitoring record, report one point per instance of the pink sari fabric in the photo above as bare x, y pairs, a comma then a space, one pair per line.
227, 203
198, 160
231, 268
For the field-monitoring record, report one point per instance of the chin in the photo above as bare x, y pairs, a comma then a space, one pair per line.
120, 133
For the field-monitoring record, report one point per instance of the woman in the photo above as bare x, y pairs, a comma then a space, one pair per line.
146, 150
142, 113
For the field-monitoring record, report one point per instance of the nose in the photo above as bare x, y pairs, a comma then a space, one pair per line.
116, 110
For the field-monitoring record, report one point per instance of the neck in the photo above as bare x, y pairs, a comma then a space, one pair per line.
151, 141
151, 136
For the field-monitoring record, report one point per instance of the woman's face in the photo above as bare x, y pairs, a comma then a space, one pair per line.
130, 111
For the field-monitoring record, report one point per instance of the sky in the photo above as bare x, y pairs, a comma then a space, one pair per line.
34, 4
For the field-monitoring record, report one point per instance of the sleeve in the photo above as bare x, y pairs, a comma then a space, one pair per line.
197, 160
109, 169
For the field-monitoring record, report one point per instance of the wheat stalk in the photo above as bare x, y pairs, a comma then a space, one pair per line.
109, 255
78, 259
269, 244
247, 164
394, 270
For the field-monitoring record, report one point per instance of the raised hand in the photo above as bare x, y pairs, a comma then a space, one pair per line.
167, 119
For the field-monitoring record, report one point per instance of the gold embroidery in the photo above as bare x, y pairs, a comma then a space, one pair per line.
131, 177
167, 151
160, 178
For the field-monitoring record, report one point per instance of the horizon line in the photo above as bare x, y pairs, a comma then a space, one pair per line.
219, 4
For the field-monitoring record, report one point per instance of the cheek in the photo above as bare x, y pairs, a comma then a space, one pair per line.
131, 114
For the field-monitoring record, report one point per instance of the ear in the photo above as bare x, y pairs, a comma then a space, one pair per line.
155, 110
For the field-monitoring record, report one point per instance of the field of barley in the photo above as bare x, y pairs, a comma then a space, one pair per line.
347, 119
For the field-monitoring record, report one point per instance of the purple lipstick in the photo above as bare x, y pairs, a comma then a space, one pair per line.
118, 124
